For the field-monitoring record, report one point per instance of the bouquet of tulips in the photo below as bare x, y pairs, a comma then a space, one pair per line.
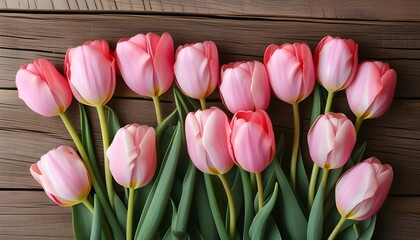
161, 195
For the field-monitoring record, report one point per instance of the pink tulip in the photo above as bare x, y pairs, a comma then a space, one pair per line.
252, 140
197, 69
331, 140
132, 155
43, 88
63, 176
146, 63
90, 69
207, 133
291, 71
335, 62
372, 89
362, 190
244, 86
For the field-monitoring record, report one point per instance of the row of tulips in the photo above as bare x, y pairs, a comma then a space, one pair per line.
148, 66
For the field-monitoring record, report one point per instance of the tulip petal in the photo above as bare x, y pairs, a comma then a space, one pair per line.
260, 86
344, 142
236, 91
163, 64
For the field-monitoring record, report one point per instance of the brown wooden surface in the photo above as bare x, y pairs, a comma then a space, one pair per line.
29, 29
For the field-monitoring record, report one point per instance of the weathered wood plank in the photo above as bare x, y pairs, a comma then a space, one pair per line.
25, 136
29, 36
32, 215
372, 10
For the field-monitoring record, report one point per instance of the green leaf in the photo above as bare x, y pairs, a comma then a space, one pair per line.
82, 221
96, 222
316, 217
302, 183
112, 123
357, 154
368, 232
248, 202
161, 128
121, 211
258, 226
272, 231
214, 207
149, 224
320, 97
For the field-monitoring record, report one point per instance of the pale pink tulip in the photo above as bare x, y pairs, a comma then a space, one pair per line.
132, 155
371, 92
252, 140
43, 88
331, 140
207, 133
90, 69
362, 190
244, 86
291, 71
335, 62
146, 63
63, 176
197, 69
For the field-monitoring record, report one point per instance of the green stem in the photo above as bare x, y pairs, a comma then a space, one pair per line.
130, 211
88, 204
295, 148
312, 185
203, 103
260, 190
105, 143
329, 102
232, 210
337, 228
324, 179
158, 109
358, 124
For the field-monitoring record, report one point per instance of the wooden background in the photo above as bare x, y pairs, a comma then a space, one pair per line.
242, 29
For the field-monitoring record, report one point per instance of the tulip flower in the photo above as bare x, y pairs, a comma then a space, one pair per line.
146, 63
371, 92
63, 176
90, 69
197, 69
252, 140
335, 62
331, 140
244, 86
291, 71
361, 191
43, 88
207, 134
132, 155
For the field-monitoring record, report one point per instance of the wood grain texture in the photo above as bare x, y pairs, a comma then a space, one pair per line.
358, 9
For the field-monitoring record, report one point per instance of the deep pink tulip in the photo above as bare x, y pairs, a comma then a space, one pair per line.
132, 155
371, 92
244, 86
90, 69
207, 133
146, 63
362, 190
291, 71
63, 176
335, 62
43, 88
252, 140
331, 140
197, 69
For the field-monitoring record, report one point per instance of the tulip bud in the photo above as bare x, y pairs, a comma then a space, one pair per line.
291, 71
146, 63
252, 140
207, 133
335, 62
43, 88
331, 140
197, 69
90, 69
371, 92
63, 176
244, 86
132, 155
362, 190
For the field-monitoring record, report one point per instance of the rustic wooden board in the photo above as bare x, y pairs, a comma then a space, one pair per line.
32, 215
